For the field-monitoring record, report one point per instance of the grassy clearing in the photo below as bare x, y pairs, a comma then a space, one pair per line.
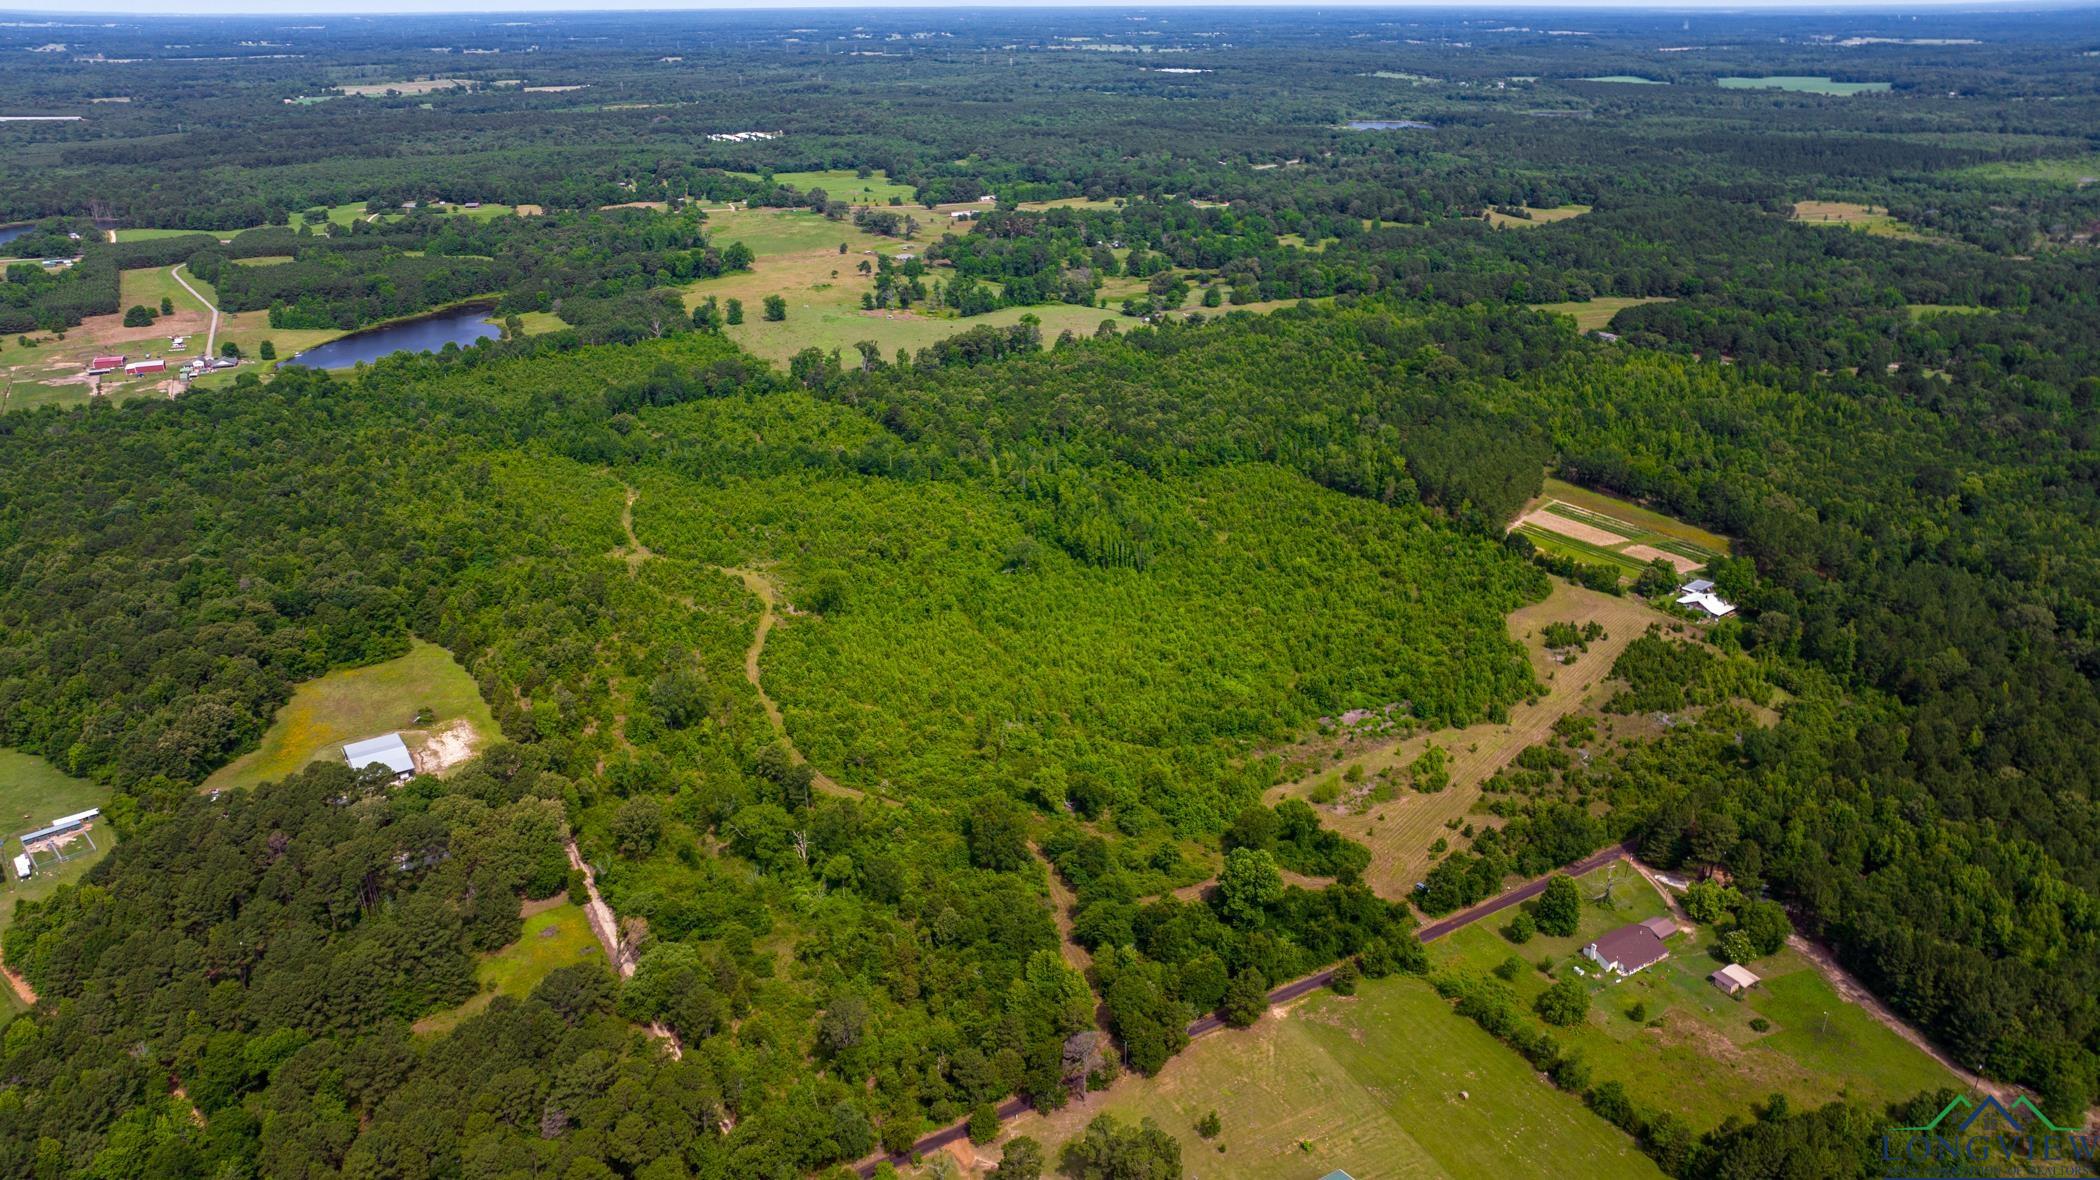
33, 793
1802, 84
360, 703
148, 235
2076, 171
1694, 1052
1866, 218
1401, 831
1596, 313
555, 937
1390, 1083
1538, 216
52, 370
1628, 80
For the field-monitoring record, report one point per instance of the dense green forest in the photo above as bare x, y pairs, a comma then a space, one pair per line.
1042, 613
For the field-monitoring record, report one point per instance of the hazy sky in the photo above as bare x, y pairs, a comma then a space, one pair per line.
440, 7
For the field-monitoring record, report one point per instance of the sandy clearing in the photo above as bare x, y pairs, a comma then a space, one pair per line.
1683, 564
447, 747
1553, 522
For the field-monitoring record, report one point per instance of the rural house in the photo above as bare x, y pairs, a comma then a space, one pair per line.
1699, 594
1733, 979
389, 752
1627, 950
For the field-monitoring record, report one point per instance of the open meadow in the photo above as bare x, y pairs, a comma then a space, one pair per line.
1803, 84
356, 703
1388, 1084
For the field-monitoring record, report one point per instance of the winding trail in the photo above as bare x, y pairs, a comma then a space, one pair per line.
211, 337
762, 588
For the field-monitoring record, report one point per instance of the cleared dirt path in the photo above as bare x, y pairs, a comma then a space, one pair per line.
23, 991
1400, 832
607, 927
211, 335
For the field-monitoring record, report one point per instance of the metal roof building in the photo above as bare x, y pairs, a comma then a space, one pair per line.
389, 751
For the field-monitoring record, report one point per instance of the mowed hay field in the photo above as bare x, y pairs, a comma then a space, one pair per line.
555, 935
2076, 171
1387, 1084
1400, 832
1538, 216
1693, 1052
1596, 313
358, 703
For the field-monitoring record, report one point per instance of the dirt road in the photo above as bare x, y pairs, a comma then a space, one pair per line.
211, 337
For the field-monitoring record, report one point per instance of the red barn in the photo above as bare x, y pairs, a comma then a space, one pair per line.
104, 364
141, 368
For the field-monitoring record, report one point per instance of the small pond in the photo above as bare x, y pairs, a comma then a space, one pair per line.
430, 333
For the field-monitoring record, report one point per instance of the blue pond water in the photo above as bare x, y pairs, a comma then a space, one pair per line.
461, 326
9, 233
1389, 125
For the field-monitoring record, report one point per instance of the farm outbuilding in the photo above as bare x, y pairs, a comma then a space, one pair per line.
141, 368
104, 364
1734, 979
389, 752
1627, 950
1661, 926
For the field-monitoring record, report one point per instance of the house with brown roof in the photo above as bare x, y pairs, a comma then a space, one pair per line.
1627, 950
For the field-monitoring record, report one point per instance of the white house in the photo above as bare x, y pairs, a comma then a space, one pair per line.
389, 752
1699, 594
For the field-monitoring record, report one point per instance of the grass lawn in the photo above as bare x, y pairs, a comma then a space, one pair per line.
33, 793
1390, 1083
1628, 80
1866, 218
1538, 216
1694, 1051
1598, 312
553, 937
356, 703
1801, 84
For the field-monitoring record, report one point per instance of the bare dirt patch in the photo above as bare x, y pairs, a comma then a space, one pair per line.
447, 747
1553, 522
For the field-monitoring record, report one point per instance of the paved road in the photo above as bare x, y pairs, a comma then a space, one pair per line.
1524, 892
211, 338
1204, 1025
